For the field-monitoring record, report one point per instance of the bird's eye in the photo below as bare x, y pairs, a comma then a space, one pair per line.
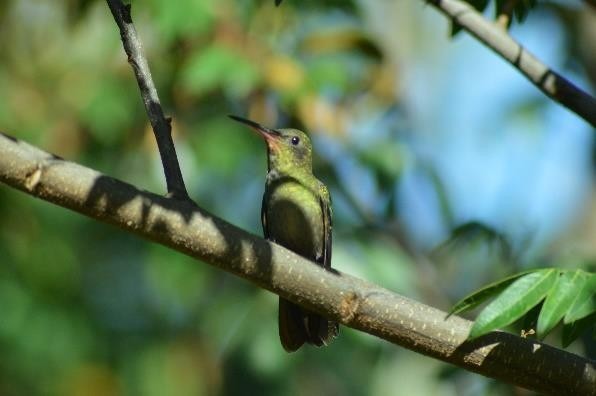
295, 140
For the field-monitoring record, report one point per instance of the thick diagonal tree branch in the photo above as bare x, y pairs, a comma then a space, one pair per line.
182, 226
496, 38
161, 127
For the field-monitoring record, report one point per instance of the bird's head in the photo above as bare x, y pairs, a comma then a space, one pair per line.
289, 150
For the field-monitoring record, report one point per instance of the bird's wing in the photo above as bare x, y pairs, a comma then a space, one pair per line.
264, 215
325, 202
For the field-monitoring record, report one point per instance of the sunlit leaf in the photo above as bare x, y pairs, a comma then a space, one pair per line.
517, 299
476, 298
585, 301
559, 300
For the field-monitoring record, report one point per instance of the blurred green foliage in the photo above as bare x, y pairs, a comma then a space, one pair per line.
88, 309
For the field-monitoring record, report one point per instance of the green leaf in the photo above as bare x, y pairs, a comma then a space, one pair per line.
585, 301
517, 299
476, 298
560, 299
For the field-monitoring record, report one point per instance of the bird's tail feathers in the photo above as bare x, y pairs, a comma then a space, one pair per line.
297, 326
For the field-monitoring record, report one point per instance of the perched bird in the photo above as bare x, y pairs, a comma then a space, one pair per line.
296, 213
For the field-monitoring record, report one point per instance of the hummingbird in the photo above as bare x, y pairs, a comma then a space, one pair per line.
296, 213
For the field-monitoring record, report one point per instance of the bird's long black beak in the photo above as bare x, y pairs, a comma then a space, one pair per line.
266, 132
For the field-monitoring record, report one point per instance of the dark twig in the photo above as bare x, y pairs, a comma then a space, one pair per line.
548, 81
162, 128
354, 302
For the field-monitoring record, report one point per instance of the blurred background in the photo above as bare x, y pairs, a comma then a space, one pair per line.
447, 169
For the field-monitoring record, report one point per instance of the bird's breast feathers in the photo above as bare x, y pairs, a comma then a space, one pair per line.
295, 217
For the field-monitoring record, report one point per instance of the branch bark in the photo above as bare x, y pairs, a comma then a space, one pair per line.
356, 303
162, 128
547, 80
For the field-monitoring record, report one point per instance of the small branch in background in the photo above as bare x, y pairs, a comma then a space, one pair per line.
548, 81
356, 303
506, 14
162, 127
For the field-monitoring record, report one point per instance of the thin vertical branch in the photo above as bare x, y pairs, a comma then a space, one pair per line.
162, 128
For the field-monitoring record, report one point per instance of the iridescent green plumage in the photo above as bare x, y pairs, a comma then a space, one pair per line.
296, 213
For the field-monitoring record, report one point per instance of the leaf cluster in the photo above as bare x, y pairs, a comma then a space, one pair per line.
559, 295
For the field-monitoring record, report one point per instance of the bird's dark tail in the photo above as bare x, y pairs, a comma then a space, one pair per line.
297, 326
